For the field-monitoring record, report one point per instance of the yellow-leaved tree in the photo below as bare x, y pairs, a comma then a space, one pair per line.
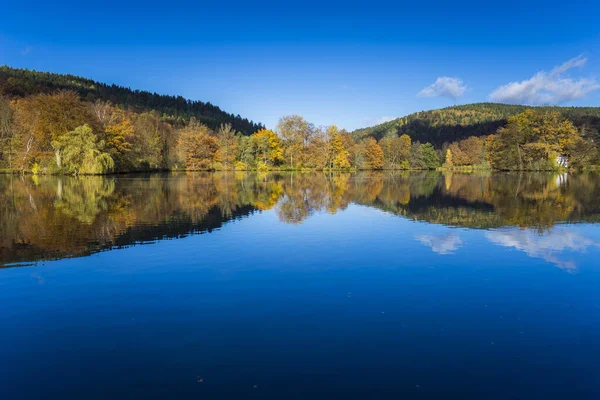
339, 157
267, 147
373, 154
448, 162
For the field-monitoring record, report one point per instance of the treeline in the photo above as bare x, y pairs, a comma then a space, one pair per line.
455, 123
98, 129
60, 133
176, 110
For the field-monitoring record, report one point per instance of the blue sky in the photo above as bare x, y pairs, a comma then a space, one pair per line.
347, 63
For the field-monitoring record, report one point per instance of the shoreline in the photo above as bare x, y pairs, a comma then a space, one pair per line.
464, 170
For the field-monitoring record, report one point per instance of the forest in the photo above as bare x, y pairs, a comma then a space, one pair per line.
61, 124
176, 110
450, 124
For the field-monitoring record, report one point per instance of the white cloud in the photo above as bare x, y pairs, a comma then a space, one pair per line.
552, 87
26, 50
441, 244
547, 247
444, 86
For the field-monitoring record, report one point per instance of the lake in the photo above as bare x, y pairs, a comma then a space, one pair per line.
300, 286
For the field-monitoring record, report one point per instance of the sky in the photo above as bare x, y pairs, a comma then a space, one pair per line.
350, 63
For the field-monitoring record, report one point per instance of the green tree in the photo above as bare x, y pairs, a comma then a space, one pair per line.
424, 156
79, 152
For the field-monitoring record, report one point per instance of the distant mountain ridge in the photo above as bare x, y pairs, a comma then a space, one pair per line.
454, 123
16, 82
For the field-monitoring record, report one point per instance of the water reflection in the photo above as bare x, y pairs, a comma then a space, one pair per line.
56, 217
548, 246
442, 244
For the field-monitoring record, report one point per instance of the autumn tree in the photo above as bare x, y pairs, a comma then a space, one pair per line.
472, 148
104, 112
316, 153
296, 133
338, 156
389, 155
404, 143
533, 140
244, 152
448, 163
267, 147
227, 146
48, 117
117, 130
119, 136
396, 151
458, 156
373, 154
196, 147
153, 142
44, 118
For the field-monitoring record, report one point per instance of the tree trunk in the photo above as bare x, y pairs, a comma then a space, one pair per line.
58, 159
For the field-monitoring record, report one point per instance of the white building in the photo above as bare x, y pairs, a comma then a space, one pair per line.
562, 161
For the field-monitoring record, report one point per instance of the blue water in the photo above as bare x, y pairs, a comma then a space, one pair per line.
358, 304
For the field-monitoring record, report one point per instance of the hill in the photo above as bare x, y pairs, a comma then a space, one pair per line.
18, 83
459, 122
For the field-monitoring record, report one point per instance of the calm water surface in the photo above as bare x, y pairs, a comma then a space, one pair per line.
300, 286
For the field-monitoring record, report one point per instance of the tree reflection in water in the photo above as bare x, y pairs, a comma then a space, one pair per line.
51, 217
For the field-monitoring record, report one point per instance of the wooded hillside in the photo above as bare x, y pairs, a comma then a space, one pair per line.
455, 123
16, 83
